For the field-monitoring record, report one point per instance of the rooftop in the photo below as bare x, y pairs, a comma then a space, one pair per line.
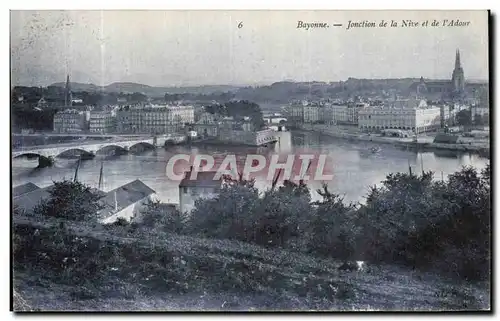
23, 189
124, 196
28, 201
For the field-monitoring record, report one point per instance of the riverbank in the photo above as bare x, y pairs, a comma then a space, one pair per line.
406, 143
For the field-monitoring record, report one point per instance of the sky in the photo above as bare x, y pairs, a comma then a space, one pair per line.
189, 48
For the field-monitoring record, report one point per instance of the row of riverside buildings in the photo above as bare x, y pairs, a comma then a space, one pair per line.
164, 119
406, 114
151, 119
412, 113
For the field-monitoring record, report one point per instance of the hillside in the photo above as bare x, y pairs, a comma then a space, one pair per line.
83, 267
130, 87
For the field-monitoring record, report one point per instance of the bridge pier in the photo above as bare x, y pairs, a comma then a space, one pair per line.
45, 161
87, 156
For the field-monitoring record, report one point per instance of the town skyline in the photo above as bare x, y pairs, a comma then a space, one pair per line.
195, 48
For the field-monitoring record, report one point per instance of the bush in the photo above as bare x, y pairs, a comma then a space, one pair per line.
72, 201
279, 218
333, 227
163, 216
430, 224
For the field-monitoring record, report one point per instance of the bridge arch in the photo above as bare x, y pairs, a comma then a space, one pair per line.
115, 148
141, 147
75, 152
43, 161
142, 144
28, 155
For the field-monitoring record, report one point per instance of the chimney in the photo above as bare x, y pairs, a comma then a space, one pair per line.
116, 203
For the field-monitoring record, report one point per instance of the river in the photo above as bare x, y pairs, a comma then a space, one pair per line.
354, 169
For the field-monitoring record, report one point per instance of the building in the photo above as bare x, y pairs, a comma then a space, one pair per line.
480, 111
154, 119
353, 112
311, 114
23, 189
244, 137
29, 196
70, 121
126, 202
413, 119
26, 202
206, 125
182, 114
295, 113
449, 113
192, 189
103, 122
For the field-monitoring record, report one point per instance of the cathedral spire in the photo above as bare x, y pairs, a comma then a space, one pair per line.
458, 78
67, 93
457, 60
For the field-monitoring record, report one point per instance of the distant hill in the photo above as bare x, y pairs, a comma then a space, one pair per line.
131, 87
77, 86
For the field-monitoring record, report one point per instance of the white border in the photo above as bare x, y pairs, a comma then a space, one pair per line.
185, 4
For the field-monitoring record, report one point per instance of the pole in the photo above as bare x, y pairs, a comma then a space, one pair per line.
76, 170
100, 176
422, 163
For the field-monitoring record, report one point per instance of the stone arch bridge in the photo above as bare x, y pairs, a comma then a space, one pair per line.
91, 148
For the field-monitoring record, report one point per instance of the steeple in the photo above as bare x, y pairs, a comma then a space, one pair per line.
457, 60
458, 78
68, 99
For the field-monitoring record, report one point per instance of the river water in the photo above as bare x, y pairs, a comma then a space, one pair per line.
354, 168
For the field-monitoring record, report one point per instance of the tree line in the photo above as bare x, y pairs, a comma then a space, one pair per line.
411, 220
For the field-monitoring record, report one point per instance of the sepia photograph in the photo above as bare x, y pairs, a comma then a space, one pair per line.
250, 160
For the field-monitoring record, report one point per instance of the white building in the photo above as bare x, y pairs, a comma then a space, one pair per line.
102, 122
414, 119
154, 119
69, 121
295, 113
203, 186
127, 202
311, 114
482, 111
340, 114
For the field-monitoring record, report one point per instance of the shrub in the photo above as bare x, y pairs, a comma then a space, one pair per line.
163, 216
333, 227
70, 200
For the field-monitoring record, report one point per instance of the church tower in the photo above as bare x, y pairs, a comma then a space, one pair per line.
68, 98
458, 79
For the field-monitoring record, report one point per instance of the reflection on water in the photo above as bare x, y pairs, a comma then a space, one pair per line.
354, 169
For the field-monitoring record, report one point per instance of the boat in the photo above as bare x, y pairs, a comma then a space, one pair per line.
371, 151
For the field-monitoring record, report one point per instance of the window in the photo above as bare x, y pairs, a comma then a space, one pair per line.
185, 190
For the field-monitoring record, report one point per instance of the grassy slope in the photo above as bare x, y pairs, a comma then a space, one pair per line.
173, 272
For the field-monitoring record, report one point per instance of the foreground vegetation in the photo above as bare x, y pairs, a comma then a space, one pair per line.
426, 243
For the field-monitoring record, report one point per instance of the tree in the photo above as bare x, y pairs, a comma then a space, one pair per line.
162, 215
334, 227
72, 201
464, 118
229, 215
138, 97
